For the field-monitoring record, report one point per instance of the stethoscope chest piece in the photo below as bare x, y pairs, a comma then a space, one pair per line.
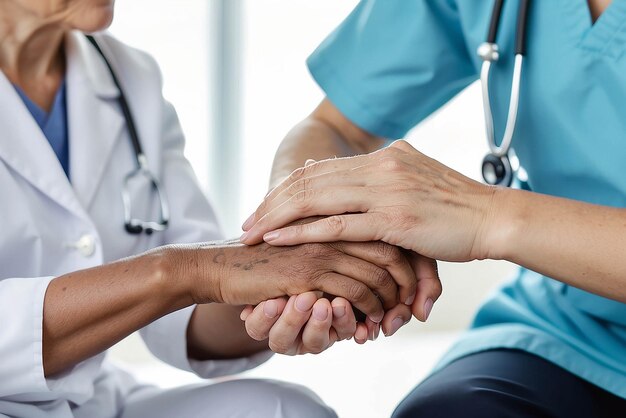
497, 171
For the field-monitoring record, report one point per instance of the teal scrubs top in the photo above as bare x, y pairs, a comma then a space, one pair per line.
391, 63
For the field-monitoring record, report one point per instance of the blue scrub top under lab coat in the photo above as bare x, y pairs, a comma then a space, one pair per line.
391, 63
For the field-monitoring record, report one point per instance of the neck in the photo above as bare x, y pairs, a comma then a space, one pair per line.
31, 52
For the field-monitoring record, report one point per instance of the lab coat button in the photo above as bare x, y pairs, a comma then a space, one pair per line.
86, 245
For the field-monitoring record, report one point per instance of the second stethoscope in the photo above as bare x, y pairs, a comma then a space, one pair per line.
497, 168
134, 225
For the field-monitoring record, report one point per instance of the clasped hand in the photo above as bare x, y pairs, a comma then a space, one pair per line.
396, 195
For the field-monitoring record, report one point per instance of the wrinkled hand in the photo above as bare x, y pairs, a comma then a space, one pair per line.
309, 323
373, 276
397, 195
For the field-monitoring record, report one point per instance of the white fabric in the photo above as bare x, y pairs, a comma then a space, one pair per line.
231, 399
43, 218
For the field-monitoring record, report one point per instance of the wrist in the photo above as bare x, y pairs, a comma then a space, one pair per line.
191, 272
505, 221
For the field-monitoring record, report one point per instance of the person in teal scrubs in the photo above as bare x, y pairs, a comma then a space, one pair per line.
552, 342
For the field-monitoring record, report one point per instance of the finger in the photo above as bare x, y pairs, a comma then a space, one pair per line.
344, 322
361, 333
333, 166
377, 279
247, 310
316, 334
351, 227
326, 201
284, 335
428, 286
260, 321
395, 318
389, 257
330, 165
356, 292
373, 329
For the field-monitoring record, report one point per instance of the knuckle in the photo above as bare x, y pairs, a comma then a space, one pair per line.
391, 163
297, 174
380, 278
389, 253
302, 200
315, 250
336, 225
357, 292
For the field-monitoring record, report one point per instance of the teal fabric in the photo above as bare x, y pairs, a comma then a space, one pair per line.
391, 63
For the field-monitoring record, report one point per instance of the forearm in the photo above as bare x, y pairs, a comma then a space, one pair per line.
324, 134
577, 243
215, 331
87, 311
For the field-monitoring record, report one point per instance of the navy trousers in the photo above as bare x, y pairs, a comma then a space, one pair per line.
507, 383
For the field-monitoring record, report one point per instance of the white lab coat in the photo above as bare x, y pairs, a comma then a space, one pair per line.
49, 226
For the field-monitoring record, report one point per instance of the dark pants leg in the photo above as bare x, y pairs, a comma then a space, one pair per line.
507, 383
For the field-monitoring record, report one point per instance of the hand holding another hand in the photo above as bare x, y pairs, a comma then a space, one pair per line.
310, 323
397, 195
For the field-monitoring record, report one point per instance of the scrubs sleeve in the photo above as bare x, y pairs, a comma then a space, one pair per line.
392, 63
192, 220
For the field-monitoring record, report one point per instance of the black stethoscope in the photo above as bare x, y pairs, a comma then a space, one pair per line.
133, 225
497, 168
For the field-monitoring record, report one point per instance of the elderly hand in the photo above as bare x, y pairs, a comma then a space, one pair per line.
373, 276
308, 323
396, 195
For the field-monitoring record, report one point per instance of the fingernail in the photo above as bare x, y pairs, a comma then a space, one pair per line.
428, 306
243, 237
339, 311
377, 330
377, 318
270, 309
372, 333
248, 223
410, 300
320, 312
270, 236
360, 334
396, 324
305, 302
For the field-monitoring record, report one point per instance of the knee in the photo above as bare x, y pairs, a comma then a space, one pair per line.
460, 398
274, 398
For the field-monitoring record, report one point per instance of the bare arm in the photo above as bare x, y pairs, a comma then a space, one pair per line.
326, 133
405, 198
578, 243
88, 311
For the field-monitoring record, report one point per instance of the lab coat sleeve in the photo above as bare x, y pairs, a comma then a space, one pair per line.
192, 220
392, 63
21, 329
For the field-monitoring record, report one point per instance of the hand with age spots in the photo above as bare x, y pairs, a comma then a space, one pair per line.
312, 322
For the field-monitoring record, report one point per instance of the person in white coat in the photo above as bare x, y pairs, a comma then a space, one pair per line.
73, 281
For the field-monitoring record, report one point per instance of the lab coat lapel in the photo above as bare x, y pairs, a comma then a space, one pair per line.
95, 119
26, 150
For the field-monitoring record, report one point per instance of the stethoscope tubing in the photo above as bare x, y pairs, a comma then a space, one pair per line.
489, 52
